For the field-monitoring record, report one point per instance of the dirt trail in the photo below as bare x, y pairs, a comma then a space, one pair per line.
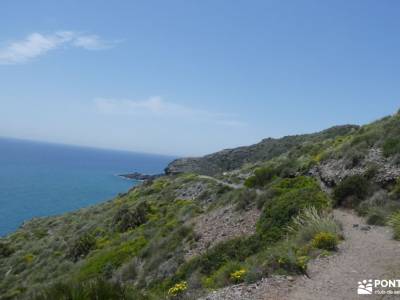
231, 185
366, 253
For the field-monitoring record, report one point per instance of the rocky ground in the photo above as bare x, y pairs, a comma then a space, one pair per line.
368, 252
333, 171
222, 224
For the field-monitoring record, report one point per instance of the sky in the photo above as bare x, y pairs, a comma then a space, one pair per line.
192, 77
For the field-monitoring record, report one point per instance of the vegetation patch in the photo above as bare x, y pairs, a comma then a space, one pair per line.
325, 240
351, 191
394, 221
292, 195
5, 250
97, 288
81, 247
126, 218
113, 257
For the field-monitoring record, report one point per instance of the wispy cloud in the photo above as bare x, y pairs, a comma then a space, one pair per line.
37, 44
158, 107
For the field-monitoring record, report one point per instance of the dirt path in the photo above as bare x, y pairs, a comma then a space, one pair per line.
231, 185
366, 253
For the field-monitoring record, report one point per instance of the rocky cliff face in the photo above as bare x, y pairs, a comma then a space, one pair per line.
383, 170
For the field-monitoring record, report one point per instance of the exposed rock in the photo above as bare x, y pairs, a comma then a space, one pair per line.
332, 171
221, 224
191, 191
140, 176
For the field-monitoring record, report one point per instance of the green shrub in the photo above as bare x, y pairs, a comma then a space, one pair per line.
325, 241
378, 208
222, 277
376, 218
351, 191
261, 177
353, 157
237, 249
394, 221
81, 247
98, 289
395, 193
391, 146
283, 258
5, 250
126, 219
101, 261
309, 222
264, 197
292, 196
244, 198
254, 273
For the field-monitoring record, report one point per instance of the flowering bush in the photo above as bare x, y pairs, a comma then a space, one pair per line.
302, 262
178, 289
238, 275
325, 240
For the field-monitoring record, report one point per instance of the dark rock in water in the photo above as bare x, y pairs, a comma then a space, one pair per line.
140, 176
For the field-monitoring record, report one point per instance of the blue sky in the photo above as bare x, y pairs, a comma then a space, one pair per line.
191, 77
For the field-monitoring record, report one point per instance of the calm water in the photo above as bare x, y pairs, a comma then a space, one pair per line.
40, 179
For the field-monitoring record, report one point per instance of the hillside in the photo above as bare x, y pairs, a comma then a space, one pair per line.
252, 216
231, 159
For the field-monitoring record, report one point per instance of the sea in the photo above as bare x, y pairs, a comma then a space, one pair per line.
42, 179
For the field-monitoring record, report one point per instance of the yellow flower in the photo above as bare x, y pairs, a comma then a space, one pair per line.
238, 275
178, 288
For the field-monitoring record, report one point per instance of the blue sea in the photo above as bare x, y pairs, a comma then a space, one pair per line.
42, 179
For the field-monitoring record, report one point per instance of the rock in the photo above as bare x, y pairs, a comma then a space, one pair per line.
140, 176
290, 278
365, 228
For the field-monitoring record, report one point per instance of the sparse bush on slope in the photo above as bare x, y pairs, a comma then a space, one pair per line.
126, 218
351, 191
5, 250
81, 246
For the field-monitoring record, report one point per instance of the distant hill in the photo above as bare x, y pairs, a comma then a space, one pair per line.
230, 159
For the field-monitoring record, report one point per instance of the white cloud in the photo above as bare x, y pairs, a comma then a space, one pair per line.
92, 42
37, 44
156, 106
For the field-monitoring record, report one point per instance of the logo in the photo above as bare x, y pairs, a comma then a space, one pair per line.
365, 287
